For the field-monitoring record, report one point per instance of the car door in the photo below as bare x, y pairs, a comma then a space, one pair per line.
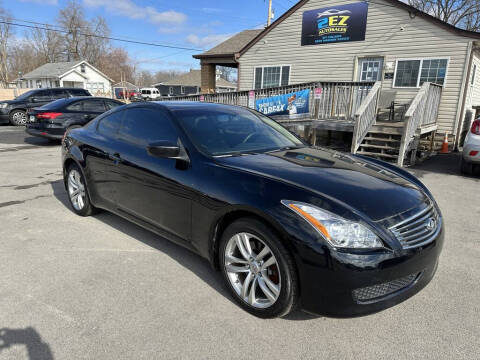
155, 190
41, 97
92, 108
102, 160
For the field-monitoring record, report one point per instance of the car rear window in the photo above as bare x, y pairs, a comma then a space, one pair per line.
57, 104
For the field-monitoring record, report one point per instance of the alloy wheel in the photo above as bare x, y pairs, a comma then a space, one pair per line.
76, 190
19, 118
252, 270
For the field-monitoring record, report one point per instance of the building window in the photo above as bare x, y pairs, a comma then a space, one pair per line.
95, 87
170, 90
182, 90
39, 84
413, 73
474, 72
271, 76
82, 68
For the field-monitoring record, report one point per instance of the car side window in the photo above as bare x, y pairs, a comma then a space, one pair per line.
59, 94
94, 106
43, 95
109, 125
78, 92
112, 104
76, 106
143, 126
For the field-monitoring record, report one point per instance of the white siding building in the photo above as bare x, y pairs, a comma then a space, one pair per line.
68, 74
398, 45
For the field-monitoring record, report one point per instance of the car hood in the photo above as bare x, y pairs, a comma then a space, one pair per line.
7, 101
366, 187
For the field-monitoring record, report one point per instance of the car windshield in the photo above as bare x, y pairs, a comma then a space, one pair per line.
229, 131
25, 95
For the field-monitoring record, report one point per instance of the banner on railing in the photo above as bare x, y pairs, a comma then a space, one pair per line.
293, 104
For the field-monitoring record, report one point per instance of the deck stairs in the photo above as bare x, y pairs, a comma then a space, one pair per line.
383, 141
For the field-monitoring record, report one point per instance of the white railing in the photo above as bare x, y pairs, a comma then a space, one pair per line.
336, 100
365, 116
423, 111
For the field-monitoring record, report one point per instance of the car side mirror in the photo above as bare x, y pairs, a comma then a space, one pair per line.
164, 149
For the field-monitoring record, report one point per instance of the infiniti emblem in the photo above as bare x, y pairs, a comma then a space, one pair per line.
431, 224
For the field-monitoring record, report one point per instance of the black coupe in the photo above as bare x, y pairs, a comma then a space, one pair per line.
286, 224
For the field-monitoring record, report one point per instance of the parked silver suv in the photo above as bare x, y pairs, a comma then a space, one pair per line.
471, 148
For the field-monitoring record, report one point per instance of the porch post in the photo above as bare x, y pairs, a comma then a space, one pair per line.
208, 78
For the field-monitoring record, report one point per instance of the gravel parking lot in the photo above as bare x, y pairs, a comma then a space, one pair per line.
103, 288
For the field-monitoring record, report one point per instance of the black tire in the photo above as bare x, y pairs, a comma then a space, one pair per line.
289, 290
18, 118
466, 167
87, 209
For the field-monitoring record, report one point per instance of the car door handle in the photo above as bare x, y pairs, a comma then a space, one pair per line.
115, 157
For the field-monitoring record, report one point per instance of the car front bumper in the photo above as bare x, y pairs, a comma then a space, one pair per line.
4, 116
340, 284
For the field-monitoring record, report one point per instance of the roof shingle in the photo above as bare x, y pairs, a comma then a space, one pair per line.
51, 69
232, 45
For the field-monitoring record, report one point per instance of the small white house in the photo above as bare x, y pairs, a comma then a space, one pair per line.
68, 74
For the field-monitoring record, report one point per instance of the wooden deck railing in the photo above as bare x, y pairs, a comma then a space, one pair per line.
337, 100
365, 116
422, 111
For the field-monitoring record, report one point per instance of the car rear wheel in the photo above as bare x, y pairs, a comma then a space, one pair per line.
258, 270
77, 192
18, 117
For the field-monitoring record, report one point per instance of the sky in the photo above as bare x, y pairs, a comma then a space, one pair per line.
197, 24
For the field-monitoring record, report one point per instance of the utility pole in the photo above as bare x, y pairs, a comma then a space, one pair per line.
269, 12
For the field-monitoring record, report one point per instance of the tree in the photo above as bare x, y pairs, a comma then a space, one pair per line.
5, 36
227, 73
77, 42
46, 45
116, 64
464, 14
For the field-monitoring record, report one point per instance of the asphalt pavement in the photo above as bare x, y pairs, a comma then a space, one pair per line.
103, 288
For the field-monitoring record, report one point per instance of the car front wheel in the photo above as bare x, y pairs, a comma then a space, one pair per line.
18, 117
258, 269
77, 192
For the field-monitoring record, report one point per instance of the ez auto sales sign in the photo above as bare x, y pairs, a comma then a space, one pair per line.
335, 24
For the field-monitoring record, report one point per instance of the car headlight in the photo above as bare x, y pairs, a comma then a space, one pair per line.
339, 232
3, 105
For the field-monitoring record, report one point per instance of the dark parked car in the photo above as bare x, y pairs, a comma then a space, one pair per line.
15, 111
53, 119
286, 224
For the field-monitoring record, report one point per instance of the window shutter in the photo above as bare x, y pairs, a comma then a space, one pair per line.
285, 75
258, 78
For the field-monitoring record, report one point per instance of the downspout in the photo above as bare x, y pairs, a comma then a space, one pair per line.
463, 95
236, 57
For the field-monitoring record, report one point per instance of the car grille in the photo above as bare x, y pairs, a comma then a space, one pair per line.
419, 229
375, 292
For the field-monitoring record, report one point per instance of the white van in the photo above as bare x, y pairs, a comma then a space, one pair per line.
149, 93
